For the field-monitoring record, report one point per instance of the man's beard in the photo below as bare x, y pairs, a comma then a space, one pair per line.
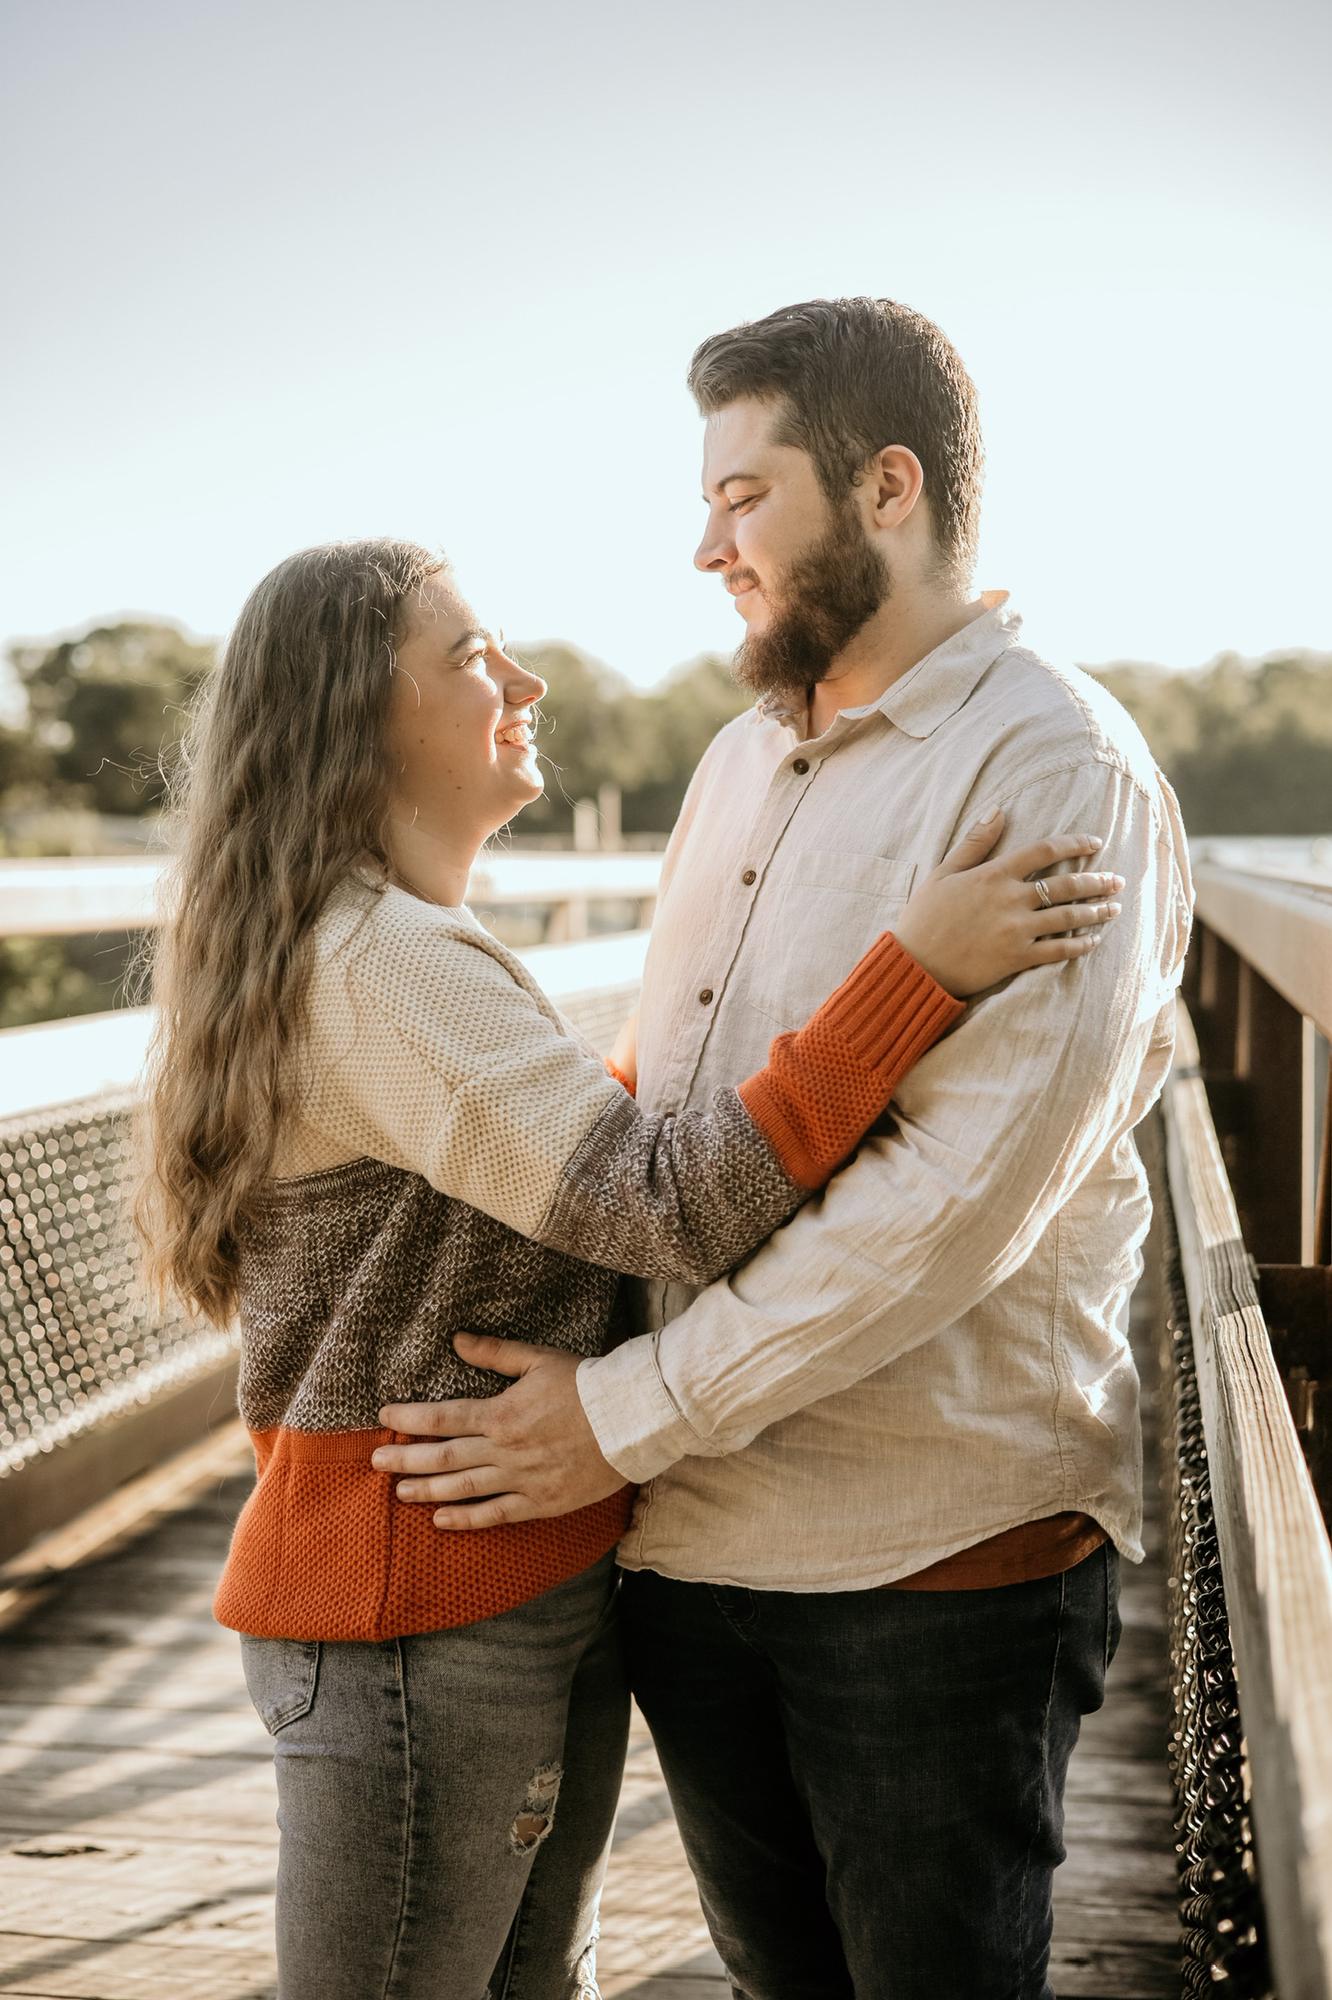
828, 595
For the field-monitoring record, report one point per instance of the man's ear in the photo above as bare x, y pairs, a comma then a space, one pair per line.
896, 481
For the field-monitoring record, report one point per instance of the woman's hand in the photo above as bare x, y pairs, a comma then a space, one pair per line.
973, 922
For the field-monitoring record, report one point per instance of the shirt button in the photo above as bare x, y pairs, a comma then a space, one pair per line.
748, 877
800, 766
705, 996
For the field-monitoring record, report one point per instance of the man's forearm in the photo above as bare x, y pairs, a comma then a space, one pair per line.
816, 1311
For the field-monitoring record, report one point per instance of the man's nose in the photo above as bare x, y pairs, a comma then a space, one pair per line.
717, 548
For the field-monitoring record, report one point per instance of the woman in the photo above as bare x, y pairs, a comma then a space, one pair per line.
368, 1130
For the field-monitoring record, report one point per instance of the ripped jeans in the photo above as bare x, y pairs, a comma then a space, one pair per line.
446, 1802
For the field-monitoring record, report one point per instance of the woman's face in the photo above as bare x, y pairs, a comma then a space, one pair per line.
460, 720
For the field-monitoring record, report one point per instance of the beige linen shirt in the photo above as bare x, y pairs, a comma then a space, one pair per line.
934, 1350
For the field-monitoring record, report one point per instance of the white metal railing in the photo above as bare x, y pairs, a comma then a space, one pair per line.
61, 898
64, 1062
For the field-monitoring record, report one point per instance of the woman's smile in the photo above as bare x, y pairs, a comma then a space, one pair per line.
516, 735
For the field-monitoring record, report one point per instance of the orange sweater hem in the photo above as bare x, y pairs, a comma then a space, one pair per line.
324, 1549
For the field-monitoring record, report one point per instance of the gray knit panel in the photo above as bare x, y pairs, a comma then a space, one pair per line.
353, 1282
683, 1197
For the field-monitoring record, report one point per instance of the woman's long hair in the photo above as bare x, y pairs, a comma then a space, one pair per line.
283, 788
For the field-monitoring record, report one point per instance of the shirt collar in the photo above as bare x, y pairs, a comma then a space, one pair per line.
935, 688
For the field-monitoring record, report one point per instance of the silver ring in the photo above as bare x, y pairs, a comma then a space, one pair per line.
1042, 896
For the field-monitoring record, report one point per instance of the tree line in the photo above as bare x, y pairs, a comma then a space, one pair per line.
1246, 743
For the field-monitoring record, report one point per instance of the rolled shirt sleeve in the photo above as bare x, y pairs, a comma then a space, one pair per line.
994, 1131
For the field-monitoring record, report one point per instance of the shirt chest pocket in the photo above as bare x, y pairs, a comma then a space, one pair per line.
821, 909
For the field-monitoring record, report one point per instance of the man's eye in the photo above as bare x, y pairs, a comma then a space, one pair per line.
746, 500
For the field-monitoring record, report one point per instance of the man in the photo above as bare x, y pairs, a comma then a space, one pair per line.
887, 1466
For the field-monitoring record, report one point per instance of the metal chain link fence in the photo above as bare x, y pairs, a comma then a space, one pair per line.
79, 1339
1221, 1911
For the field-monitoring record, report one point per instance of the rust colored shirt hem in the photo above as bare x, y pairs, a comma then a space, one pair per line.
1019, 1555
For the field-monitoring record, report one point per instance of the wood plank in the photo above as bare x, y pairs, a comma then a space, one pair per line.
165, 1732
125, 1791
1109, 1971
678, 1985
124, 1515
1084, 1926
136, 1888
123, 1969
113, 1872
1095, 1869
1118, 1777
185, 1627
118, 1677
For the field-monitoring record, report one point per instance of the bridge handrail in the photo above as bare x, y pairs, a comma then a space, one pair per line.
1278, 918
95, 1386
66, 896
1259, 989
1275, 1555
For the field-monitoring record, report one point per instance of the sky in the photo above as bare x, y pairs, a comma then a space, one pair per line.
282, 273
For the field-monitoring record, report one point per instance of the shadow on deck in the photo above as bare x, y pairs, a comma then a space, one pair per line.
137, 1844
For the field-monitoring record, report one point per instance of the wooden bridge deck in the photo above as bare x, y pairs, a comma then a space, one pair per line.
137, 1842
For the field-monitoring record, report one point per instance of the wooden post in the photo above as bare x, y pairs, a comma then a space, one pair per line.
1269, 1060
1297, 1305
608, 808
1218, 1002
569, 920
1318, 1084
1191, 984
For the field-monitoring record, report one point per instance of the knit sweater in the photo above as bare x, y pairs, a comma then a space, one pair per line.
457, 1159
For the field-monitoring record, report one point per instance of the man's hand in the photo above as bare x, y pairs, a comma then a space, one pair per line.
515, 1457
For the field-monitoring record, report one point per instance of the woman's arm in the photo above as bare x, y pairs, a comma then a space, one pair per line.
689, 1195
456, 1072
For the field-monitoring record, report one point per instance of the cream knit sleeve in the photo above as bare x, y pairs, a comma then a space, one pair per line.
430, 1048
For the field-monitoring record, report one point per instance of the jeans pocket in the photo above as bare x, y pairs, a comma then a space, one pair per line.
281, 1675
1114, 1629
610, 1610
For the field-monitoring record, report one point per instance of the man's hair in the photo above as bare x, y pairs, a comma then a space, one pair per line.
850, 376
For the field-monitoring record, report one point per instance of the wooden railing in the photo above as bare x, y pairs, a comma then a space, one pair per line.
62, 898
1247, 1123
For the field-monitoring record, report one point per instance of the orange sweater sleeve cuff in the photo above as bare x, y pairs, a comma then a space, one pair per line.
620, 1076
823, 1086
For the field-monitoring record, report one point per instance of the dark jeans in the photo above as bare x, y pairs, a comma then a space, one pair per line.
870, 1783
